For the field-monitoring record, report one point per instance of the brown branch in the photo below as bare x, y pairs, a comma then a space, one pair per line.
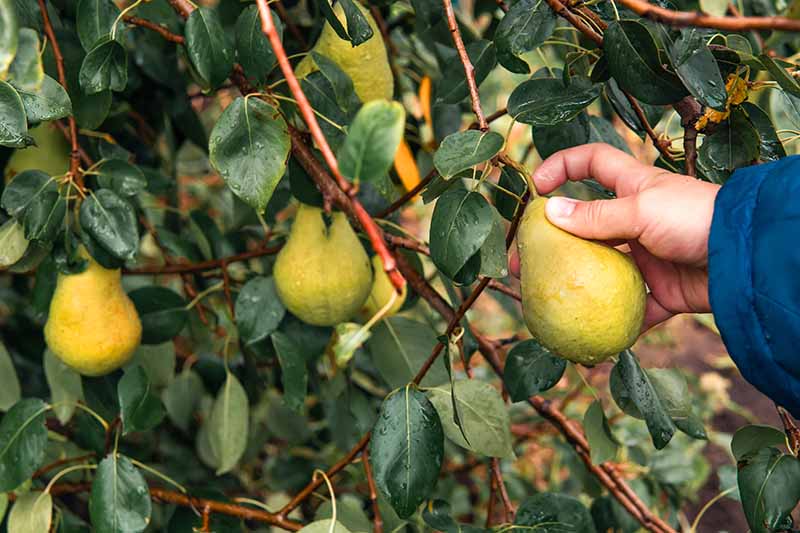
491, 118
400, 202
701, 20
65, 131
75, 154
61, 462
183, 268
689, 110
377, 521
575, 20
158, 28
183, 7
508, 507
791, 430
469, 70
662, 145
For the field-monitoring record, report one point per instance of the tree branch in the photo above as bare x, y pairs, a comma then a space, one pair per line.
377, 521
158, 28
701, 20
183, 268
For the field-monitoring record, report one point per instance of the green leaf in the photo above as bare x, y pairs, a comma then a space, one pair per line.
547, 102
3, 505
358, 29
619, 102
717, 8
295, 373
525, 27
324, 526
671, 387
259, 311
94, 19
399, 346
511, 181
23, 438
348, 513
452, 88
603, 131
120, 499
437, 515
112, 222
104, 68
140, 409
321, 95
49, 102
372, 140
181, 398
13, 124
44, 216
207, 46
158, 362
27, 72
9, 34
482, 414
460, 224
531, 369
603, 445
550, 512
696, 67
769, 484
550, 139
32, 513
494, 258
10, 392
465, 149
785, 80
407, 449
771, 148
162, 312
249, 146
65, 386
735, 143
122, 177
252, 47
13, 243
228, 424
634, 62
751, 438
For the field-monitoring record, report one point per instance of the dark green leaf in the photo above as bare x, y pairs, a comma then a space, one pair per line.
104, 68
511, 181
769, 484
94, 19
26, 187
140, 409
162, 312
259, 311
23, 438
207, 46
228, 424
358, 28
295, 374
671, 387
112, 221
437, 515
9, 34
65, 385
252, 46
696, 67
182, 396
44, 216
49, 102
465, 149
750, 439
531, 369
547, 102
771, 148
616, 97
27, 72
122, 177
524, 28
407, 449
602, 131
452, 88
551, 512
120, 499
735, 143
13, 123
603, 445
368, 151
493, 254
779, 74
550, 139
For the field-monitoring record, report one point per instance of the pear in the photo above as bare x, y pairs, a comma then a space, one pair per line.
50, 154
582, 300
322, 274
367, 64
93, 326
381, 293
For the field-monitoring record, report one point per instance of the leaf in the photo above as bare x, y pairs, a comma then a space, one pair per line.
23, 438
602, 131
207, 46
182, 396
13, 124
104, 68
514, 182
49, 102
348, 513
437, 515
13, 244
407, 449
717, 8
9, 34
324, 526
465, 149
27, 72
550, 512
547, 102
619, 102
295, 374
524, 28
3, 505
633, 60
482, 414
122, 177
112, 222
140, 409
771, 147
44, 216
162, 312
734, 143
494, 258
603, 445
259, 311
94, 19
228, 424
358, 29
769, 484
348, 338
550, 139
751, 438
460, 224
322, 97
531, 369
32, 513
252, 47
372, 139
120, 499
249, 146
452, 88
10, 392
696, 67
65, 386
671, 387
399, 346
785, 80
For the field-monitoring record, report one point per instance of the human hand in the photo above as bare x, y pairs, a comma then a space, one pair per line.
664, 217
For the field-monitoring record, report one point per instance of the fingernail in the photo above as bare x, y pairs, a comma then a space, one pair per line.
560, 207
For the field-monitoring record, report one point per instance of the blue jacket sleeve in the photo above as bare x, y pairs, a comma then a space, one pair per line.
754, 276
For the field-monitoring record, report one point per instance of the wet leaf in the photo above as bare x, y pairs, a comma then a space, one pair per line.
551, 512
228, 424
140, 409
120, 499
751, 438
252, 47
603, 445
104, 68
23, 438
13, 123
162, 312
369, 149
94, 20
452, 88
531, 369
259, 311
207, 46
524, 28
112, 222
547, 102
10, 392
295, 374
465, 149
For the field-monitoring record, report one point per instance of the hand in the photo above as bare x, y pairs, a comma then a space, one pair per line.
664, 217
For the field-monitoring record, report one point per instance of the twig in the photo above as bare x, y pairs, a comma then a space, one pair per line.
701, 20
491, 118
469, 70
400, 202
203, 265
158, 28
662, 145
791, 430
575, 20
61, 462
377, 521
508, 508
183, 7
689, 110
226, 287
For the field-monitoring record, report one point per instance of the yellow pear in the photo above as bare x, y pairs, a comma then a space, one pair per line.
93, 326
50, 154
322, 274
582, 300
382, 290
367, 64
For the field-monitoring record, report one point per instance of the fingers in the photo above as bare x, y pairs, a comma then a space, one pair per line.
613, 168
654, 313
598, 220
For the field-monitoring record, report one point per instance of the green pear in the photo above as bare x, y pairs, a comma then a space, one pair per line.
583, 300
322, 274
50, 154
367, 64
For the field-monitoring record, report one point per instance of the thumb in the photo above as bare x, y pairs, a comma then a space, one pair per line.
600, 220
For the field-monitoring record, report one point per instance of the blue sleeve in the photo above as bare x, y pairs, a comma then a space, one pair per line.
754, 276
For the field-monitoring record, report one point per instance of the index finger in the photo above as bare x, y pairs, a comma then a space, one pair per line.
612, 168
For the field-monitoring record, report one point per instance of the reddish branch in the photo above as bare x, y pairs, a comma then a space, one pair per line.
508, 508
791, 430
661, 144
158, 28
377, 521
204, 265
701, 20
